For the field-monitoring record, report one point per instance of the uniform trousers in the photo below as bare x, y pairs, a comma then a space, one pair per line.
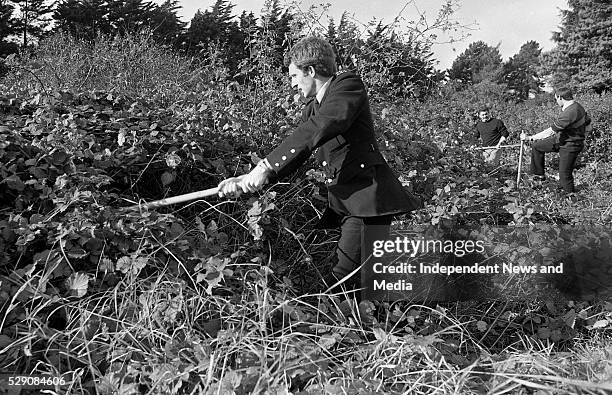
568, 153
356, 238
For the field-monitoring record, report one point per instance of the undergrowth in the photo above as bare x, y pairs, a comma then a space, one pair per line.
229, 296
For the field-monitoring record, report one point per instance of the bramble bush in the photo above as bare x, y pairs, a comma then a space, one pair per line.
182, 299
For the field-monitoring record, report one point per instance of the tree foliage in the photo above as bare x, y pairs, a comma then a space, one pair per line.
32, 20
276, 26
520, 72
479, 62
129, 15
165, 23
88, 18
83, 18
217, 27
345, 38
7, 28
405, 63
390, 61
583, 55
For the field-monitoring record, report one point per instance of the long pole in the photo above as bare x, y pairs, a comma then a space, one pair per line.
175, 199
520, 164
501, 146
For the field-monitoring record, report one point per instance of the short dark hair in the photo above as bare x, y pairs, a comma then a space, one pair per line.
484, 108
564, 93
315, 52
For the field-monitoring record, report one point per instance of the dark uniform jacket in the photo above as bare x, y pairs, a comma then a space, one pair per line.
360, 183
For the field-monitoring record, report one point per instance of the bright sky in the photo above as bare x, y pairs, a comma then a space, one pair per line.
509, 23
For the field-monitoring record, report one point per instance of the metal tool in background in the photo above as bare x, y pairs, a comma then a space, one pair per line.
520, 163
496, 147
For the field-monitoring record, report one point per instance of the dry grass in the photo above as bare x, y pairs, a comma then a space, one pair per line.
163, 335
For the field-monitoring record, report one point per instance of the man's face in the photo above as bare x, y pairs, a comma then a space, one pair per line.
559, 101
304, 82
484, 116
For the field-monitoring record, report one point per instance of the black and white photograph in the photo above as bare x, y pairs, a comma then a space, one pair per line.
298, 197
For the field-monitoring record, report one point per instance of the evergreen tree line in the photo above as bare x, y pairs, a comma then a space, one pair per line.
582, 57
236, 41
521, 74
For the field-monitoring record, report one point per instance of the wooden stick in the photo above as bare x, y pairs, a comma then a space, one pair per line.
518, 172
501, 146
176, 199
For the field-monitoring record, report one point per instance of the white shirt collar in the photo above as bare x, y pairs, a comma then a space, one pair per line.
321, 91
567, 104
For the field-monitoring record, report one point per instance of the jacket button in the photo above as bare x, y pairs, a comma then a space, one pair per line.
284, 157
362, 165
329, 180
324, 163
292, 150
276, 164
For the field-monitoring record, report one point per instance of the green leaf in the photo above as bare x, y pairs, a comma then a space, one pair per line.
14, 182
167, 178
570, 318
379, 334
172, 160
124, 264
78, 283
131, 264
327, 341
600, 324
121, 138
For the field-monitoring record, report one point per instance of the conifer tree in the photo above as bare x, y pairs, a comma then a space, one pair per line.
331, 33
404, 63
32, 19
520, 72
479, 62
7, 29
130, 15
220, 28
583, 55
165, 23
214, 25
83, 18
88, 18
348, 42
276, 26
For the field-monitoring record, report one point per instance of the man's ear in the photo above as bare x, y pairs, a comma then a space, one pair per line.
311, 71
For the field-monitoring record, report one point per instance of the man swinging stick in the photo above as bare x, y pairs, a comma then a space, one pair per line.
363, 192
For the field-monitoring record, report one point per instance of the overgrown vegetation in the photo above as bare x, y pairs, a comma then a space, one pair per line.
228, 296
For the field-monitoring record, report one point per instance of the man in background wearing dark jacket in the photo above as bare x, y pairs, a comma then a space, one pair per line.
363, 192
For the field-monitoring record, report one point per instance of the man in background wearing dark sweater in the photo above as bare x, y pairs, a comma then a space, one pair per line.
565, 136
493, 133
